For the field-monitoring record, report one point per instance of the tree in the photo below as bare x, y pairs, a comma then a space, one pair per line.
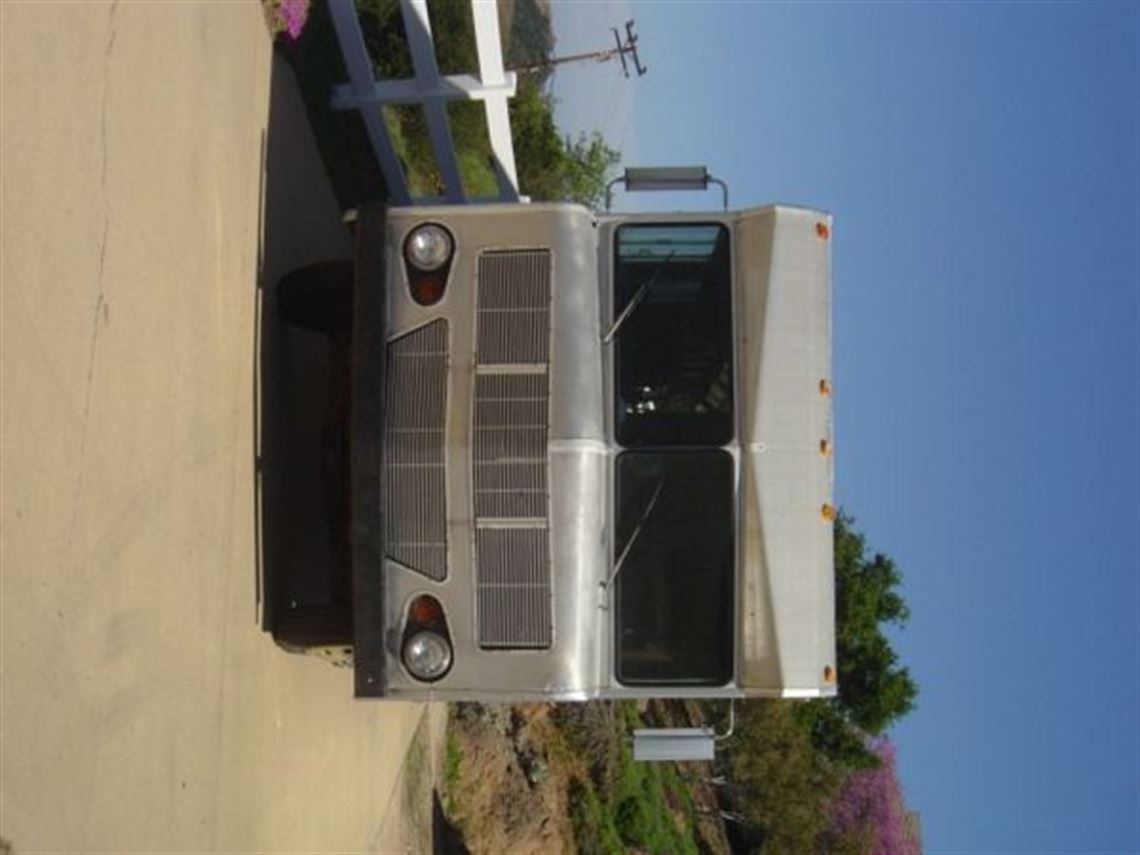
585, 168
874, 689
786, 762
538, 144
869, 814
780, 784
551, 166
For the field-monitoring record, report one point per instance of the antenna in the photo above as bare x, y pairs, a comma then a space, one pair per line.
629, 47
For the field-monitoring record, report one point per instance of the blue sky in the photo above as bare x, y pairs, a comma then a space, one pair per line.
981, 162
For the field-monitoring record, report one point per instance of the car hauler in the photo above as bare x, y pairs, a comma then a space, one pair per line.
591, 455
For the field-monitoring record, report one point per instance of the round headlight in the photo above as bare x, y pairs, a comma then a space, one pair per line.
428, 247
427, 655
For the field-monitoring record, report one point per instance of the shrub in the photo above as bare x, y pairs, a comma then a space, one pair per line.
780, 783
869, 814
594, 830
453, 760
287, 16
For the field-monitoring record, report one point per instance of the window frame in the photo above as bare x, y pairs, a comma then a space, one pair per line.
723, 634
723, 230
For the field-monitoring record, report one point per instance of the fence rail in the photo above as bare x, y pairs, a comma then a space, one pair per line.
492, 85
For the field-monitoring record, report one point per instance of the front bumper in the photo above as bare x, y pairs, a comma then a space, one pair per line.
366, 420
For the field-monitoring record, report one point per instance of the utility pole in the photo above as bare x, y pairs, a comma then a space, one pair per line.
620, 50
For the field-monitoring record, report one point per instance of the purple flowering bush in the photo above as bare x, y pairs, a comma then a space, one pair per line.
869, 815
287, 16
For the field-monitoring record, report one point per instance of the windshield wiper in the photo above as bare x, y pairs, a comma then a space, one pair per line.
636, 531
638, 295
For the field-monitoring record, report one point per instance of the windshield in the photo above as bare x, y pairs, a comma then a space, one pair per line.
674, 588
673, 361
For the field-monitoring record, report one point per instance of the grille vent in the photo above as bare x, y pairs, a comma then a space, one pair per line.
514, 599
514, 308
511, 421
510, 445
415, 496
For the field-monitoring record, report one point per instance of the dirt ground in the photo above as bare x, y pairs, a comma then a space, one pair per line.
507, 790
510, 790
156, 170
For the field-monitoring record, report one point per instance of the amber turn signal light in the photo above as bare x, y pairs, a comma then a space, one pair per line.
425, 610
427, 288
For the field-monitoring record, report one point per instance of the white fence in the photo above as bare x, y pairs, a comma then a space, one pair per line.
493, 86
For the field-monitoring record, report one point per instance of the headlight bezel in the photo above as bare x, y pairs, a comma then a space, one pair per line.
434, 641
439, 248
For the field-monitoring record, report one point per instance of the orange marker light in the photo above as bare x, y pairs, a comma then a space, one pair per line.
828, 513
829, 675
824, 447
427, 288
824, 388
425, 609
823, 230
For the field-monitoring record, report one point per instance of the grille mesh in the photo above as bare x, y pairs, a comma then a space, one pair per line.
514, 308
512, 397
514, 600
510, 445
414, 450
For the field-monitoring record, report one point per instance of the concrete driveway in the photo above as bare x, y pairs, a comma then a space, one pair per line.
142, 707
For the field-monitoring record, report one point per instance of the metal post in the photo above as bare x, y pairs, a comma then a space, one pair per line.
493, 85
417, 26
359, 66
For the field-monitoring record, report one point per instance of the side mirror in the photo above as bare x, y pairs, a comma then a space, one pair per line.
665, 178
674, 744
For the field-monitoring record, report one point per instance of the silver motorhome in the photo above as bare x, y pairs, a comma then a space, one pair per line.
591, 455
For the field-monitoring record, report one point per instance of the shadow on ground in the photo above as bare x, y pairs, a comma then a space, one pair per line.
446, 839
299, 394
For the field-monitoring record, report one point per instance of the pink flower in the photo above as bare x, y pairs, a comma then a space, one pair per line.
872, 800
293, 14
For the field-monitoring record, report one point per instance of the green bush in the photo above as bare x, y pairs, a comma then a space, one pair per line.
593, 826
637, 801
633, 820
453, 760
780, 783
643, 816
551, 166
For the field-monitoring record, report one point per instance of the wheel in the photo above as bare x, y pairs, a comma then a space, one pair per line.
317, 297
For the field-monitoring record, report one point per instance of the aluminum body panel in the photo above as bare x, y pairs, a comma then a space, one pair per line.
787, 604
607, 234
570, 667
784, 609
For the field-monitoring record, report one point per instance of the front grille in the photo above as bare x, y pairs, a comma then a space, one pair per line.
514, 308
510, 445
414, 489
514, 587
511, 421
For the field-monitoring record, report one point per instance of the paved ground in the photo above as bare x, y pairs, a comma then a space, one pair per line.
142, 707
